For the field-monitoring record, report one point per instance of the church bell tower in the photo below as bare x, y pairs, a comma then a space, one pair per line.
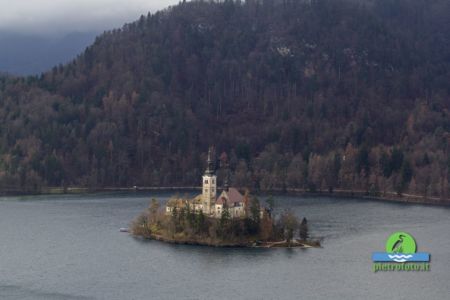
209, 186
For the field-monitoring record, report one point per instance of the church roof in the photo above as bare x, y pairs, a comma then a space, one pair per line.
231, 196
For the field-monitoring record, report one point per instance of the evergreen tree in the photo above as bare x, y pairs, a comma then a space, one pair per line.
201, 225
255, 210
289, 224
304, 231
224, 222
271, 202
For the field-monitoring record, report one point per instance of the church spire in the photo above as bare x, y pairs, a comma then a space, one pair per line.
209, 185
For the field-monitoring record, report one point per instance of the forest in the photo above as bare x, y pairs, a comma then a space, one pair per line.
318, 95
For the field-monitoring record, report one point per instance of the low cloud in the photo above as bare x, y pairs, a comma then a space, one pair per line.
61, 16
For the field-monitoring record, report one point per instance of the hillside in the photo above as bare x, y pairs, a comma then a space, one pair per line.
316, 94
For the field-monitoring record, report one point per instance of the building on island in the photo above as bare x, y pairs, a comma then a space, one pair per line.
208, 202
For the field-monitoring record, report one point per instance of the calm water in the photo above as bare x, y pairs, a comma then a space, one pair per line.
70, 247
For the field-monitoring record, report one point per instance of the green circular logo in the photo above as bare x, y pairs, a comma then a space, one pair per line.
401, 242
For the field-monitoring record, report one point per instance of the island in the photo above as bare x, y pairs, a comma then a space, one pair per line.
231, 219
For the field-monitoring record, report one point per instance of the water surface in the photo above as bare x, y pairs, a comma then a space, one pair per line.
70, 247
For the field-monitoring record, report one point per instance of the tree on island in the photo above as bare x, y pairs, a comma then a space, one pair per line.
200, 223
153, 208
174, 224
224, 223
304, 232
289, 224
255, 209
271, 203
252, 217
190, 217
266, 231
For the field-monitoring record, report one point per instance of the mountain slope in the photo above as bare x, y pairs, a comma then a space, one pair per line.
318, 95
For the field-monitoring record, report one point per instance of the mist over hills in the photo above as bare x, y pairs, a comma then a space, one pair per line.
316, 95
22, 54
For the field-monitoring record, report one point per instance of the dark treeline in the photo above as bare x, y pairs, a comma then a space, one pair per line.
301, 94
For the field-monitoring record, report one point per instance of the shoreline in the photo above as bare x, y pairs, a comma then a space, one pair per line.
276, 244
337, 193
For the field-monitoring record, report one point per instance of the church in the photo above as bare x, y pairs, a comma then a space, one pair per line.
208, 202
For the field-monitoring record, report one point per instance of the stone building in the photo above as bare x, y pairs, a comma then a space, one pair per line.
208, 202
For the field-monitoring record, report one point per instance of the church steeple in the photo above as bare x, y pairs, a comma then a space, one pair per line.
209, 185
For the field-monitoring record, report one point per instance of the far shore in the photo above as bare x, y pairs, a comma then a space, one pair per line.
338, 193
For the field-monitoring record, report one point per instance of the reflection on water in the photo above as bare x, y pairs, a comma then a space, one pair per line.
70, 247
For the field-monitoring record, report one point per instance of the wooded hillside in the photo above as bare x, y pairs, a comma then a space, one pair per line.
313, 94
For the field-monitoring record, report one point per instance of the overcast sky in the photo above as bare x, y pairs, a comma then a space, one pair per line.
63, 16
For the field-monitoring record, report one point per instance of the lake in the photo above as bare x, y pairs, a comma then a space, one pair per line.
70, 247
